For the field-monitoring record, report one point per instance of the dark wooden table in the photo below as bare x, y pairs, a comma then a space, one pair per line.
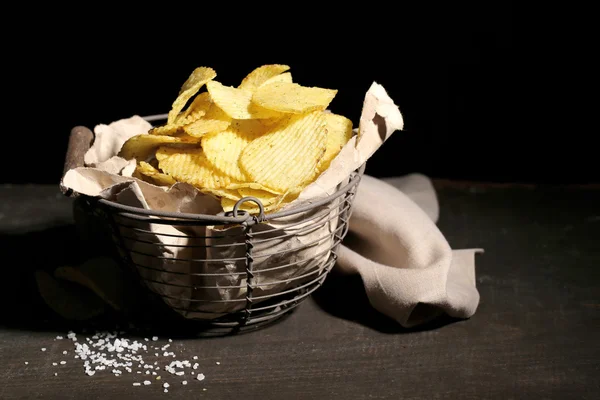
535, 335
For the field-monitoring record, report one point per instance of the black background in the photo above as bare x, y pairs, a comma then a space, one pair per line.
450, 69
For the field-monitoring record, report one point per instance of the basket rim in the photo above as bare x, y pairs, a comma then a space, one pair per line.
245, 217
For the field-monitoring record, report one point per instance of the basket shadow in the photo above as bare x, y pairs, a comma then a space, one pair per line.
344, 296
21, 305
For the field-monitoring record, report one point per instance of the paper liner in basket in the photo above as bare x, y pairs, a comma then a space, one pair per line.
201, 271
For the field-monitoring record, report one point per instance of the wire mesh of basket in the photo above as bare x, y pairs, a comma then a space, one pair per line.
231, 270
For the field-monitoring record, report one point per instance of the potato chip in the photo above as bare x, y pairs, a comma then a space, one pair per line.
199, 107
285, 77
264, 196
142, 147
198, 78
191, 166
205, 126
292, 98
261, 74
229, 194
148, 170
237, 102
223, 149
339, 131
286, 156
253, 186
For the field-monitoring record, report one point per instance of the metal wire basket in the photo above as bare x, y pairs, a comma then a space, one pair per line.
230, 271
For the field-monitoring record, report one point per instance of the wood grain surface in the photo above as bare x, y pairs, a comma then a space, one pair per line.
534, 335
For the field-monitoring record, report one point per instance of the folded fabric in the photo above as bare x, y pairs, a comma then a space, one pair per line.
409, 271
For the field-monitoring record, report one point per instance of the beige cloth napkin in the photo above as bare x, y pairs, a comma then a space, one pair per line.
409, 271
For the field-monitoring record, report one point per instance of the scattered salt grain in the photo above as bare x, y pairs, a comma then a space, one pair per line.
136, 384
147, 383
184, 383
154, 338
195, 357
170, 340
63, 362
166, 385
200, 377
26, 362
166, 390
65, 352
43, 349
179, 373
56, 374
59, 338
55, 364
218, 363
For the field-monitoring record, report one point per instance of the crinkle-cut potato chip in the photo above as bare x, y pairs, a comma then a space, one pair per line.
253, 186
339, 132
148, 170
288, 155
204, 126
237, 102
229, 194
142, 147
261, 74
223, 148
197, 109
292, 98
191, 166
265, 197
198, 78
285, 77
167, 129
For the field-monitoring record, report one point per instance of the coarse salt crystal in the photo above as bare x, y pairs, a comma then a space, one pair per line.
63, 362
154, 338
55, 364
170, 340
195, 357
218, 363
43, 349
59, 337
147, 382
136, 384
166, 390
166, 385
184, 383
179, 373
65, 352
200, 377
26, 362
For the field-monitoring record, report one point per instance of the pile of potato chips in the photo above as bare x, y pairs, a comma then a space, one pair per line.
267, 138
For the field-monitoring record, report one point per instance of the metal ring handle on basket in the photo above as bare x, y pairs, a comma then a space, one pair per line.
258, 218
